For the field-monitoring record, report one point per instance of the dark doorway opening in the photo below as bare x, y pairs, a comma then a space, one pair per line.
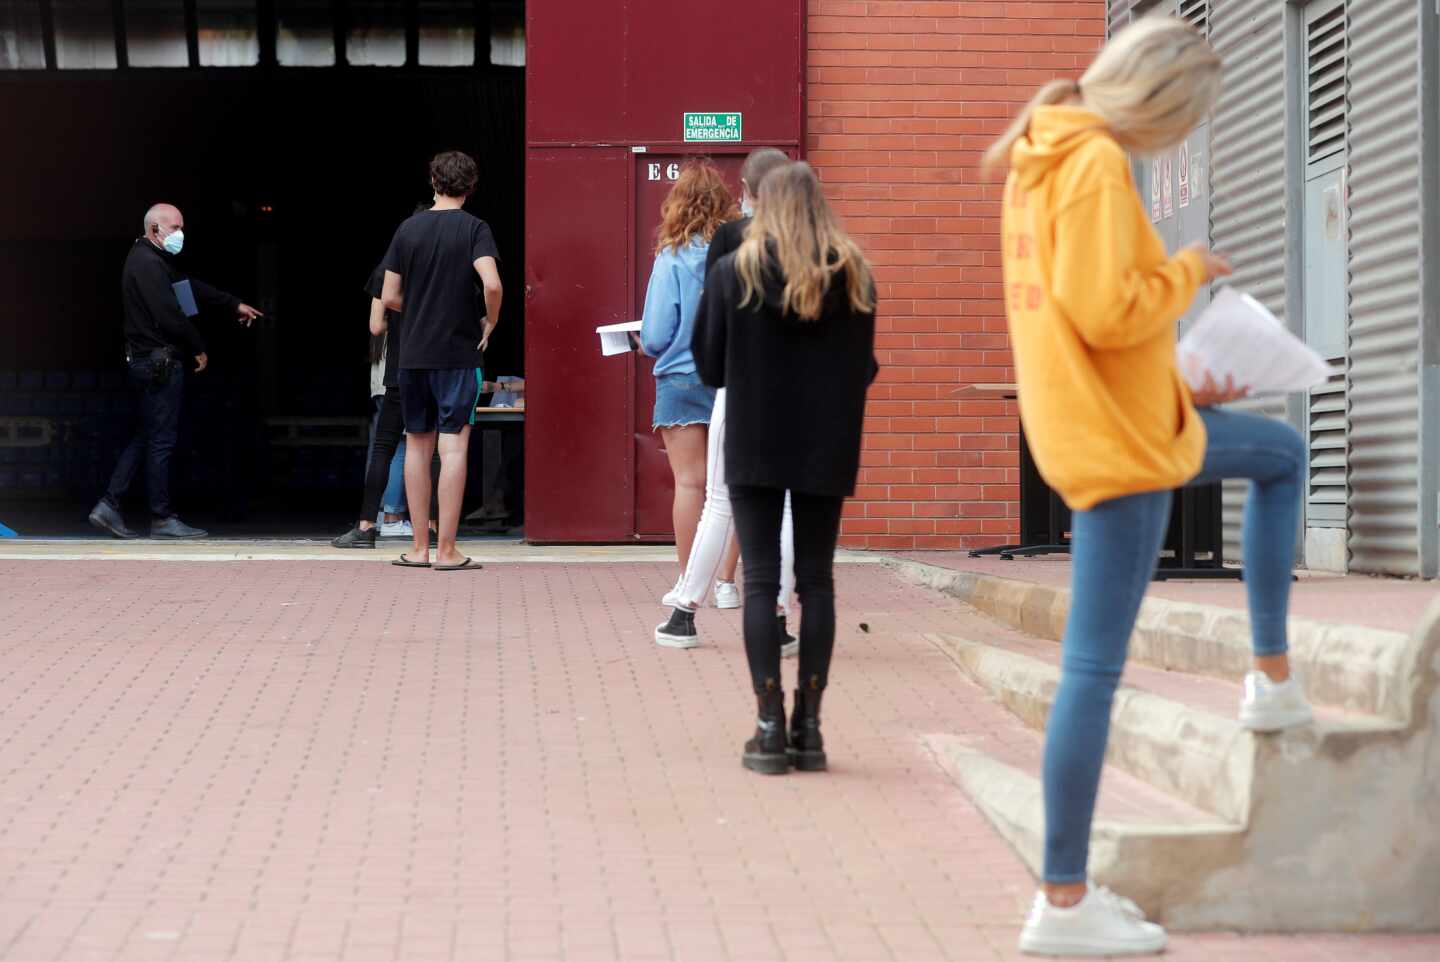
292, 182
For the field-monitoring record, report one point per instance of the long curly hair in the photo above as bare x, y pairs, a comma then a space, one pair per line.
695, 207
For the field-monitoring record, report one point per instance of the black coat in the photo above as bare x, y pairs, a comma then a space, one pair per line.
153, 317
795, 390
727, 240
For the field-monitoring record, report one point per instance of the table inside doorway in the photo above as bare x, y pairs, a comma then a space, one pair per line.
1044, 519
485, 415
492, 423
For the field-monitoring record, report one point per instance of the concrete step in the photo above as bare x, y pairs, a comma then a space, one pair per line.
1350, 667
1143, 843
1178, 733
1334, 826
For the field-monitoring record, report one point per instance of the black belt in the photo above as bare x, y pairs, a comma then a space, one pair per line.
168, 353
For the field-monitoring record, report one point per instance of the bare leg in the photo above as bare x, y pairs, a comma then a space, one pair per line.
731, 559
685, 446
1275, 667
1066, 895
453, 451
420, 448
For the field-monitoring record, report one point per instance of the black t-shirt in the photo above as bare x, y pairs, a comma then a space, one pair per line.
434, 252
394, 323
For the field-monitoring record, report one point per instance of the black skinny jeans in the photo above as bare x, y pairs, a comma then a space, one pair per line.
817, 528
389, 429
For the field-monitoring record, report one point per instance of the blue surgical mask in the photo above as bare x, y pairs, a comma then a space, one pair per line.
174, 243
747, 208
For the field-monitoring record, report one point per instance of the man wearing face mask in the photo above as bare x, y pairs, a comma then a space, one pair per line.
160, 343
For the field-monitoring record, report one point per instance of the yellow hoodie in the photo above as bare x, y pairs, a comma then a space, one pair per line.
1093, 301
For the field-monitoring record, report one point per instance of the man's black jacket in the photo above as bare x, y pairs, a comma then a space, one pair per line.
153, 318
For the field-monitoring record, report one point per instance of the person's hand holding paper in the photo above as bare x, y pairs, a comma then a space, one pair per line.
617, 338
1236, 345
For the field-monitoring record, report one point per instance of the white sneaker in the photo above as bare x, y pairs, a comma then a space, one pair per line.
396, 529
726, 595
1269, 706
672, 597
1102, 923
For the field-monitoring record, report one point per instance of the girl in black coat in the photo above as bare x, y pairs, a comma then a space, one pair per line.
787, 327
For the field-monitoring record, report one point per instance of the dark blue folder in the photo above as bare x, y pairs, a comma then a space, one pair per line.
186, 295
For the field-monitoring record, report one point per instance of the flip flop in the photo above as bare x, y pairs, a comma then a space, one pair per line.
404, 562
469, 564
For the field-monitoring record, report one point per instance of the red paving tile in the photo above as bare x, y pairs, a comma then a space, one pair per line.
306, 761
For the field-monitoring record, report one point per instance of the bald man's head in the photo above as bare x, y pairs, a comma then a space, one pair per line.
161, 221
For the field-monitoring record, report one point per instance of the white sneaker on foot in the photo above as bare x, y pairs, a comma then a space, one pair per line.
396, 529
1102, 923
1269, 706
672, 597
726, 595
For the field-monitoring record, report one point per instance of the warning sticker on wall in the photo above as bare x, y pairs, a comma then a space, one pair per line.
1184, 164
1155, 189
1167, 189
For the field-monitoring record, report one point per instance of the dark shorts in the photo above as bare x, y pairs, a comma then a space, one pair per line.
439, 400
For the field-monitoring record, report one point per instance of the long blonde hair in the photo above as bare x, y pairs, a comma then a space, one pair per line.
795, 226
1151, 85
695, 207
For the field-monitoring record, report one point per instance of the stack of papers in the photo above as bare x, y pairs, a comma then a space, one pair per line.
1238, 337
614, 338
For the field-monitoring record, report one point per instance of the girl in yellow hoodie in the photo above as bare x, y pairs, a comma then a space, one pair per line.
1093, 301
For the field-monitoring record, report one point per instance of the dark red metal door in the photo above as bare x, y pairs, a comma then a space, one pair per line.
608, 85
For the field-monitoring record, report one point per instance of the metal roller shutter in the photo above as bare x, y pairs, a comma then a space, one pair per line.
1247, 171
1384, 278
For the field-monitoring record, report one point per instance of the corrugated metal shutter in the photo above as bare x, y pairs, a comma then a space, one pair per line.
1196, 13
1327, 488
1384, 221
1325, 85
1247, 171
1122, 12
1325, 133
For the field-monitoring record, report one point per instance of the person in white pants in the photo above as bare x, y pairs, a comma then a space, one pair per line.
714, 547
716, 531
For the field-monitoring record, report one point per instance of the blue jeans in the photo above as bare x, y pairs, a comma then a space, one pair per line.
1115, 546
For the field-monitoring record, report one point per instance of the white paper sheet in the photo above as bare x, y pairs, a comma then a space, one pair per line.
614, 338
1237, 336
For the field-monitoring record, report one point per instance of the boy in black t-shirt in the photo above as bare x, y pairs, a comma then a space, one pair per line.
430, 272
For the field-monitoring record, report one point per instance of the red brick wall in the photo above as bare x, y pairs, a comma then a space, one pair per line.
903, 97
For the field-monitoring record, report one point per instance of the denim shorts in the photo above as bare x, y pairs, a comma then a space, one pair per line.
681, 399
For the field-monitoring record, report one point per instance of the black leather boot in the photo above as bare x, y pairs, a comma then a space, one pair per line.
807, 747
765, 753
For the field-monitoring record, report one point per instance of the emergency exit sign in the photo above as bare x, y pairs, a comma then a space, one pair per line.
712, 128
